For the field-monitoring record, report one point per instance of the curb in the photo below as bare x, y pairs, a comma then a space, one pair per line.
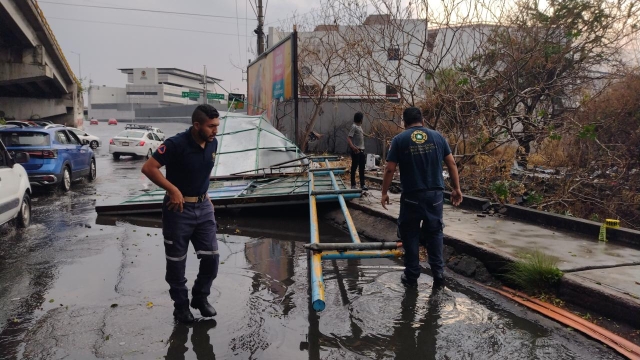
587, 227
569, 290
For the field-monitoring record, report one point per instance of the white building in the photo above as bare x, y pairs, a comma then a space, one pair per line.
382, 57
147, 88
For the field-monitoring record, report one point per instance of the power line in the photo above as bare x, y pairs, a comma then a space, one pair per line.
238, 30
142, 26
141, 10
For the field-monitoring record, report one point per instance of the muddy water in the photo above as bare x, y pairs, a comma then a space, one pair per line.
77, 286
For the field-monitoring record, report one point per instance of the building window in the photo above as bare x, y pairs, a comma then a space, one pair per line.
393, 53
431, 40
142, 93
331, 90
392, 91
309, 90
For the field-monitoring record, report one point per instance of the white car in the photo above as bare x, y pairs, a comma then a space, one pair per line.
134, 143
15, 190
154, 130
93, 141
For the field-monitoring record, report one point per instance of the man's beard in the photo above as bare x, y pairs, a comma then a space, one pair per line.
203, 136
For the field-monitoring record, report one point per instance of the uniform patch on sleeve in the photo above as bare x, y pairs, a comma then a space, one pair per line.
162, 148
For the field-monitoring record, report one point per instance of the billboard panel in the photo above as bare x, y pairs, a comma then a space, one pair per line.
270, 78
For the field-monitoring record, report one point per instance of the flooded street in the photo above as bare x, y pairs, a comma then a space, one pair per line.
74, 286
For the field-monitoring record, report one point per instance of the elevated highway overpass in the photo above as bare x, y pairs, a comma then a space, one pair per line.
36, 82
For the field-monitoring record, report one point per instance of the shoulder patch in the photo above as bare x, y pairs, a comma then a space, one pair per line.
162, 148
419, 137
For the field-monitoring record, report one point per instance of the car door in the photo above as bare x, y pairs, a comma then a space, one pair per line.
157, 139
9, 187
66, 151
153, 144
82, 155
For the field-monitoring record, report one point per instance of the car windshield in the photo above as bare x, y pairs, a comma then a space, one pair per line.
24, 138
131, 134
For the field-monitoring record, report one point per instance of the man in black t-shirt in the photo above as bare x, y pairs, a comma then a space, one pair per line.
187, 212
419, 152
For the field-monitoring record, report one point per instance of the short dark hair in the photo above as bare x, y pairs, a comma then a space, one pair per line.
203, 113
412, 115
357, 118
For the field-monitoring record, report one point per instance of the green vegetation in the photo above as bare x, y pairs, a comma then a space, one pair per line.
534, 272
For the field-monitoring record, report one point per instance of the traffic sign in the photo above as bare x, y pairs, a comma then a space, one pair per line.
190, 94
212, 96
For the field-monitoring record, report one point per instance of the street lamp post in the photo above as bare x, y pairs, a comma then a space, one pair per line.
79, 63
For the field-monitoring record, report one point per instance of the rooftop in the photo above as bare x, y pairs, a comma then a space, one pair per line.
177, 72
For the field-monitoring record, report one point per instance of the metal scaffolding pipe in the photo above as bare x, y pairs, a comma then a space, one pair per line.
366, 254
353, 246
343, 206
326, 169
317, 282
336, 192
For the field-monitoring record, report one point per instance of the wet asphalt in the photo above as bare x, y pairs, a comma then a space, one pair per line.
75, 286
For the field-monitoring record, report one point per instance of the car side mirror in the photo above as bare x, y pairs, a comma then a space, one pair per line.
85, 142
22, 158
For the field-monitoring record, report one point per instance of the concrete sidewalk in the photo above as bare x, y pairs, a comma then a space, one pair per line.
597, 270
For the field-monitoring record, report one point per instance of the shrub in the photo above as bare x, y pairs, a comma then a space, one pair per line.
534, 272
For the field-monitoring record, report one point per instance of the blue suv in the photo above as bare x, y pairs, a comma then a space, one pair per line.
57, 156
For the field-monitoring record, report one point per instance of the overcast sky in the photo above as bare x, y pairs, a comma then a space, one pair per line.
223, 44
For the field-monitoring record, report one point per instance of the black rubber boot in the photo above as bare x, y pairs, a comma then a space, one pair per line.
183, 314
407, 283
206, 310
439, 282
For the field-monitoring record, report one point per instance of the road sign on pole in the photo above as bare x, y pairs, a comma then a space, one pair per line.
212, 96
190, 94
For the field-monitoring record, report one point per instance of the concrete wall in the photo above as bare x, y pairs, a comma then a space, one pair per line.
333, 124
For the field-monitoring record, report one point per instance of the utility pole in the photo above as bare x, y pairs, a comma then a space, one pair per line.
259, 31
204, 82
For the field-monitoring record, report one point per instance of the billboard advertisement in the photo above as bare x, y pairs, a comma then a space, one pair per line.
270, 78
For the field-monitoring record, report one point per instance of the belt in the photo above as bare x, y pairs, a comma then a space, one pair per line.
196, 199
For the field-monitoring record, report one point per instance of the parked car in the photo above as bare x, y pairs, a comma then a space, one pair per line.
134, 143
56, 155
15, 190
93, 122
93, 141
112, 122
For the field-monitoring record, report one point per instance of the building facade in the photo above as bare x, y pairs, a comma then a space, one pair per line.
148, 88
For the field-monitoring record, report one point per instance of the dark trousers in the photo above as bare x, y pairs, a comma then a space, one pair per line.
196, 223
357, 161
420, 223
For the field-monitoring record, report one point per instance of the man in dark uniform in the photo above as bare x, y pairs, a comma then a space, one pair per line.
420, 152
187, 212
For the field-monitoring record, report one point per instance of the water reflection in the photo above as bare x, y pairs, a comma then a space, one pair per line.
200, 340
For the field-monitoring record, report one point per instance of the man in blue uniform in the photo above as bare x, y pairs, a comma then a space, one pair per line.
187, 212
420, 152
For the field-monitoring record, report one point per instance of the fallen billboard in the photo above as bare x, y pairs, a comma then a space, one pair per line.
270, 78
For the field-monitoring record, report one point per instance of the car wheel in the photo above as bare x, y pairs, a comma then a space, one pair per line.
149, 154
93, 144
116, 156
65, 184
24, 216
92, 170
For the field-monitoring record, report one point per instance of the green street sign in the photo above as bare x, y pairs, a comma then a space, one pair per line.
212, 96
190, 94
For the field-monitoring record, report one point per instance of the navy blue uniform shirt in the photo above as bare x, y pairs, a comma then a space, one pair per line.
188, 164
419, 152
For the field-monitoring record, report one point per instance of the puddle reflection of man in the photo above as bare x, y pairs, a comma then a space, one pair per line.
420, 152
187, 212
200, 341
